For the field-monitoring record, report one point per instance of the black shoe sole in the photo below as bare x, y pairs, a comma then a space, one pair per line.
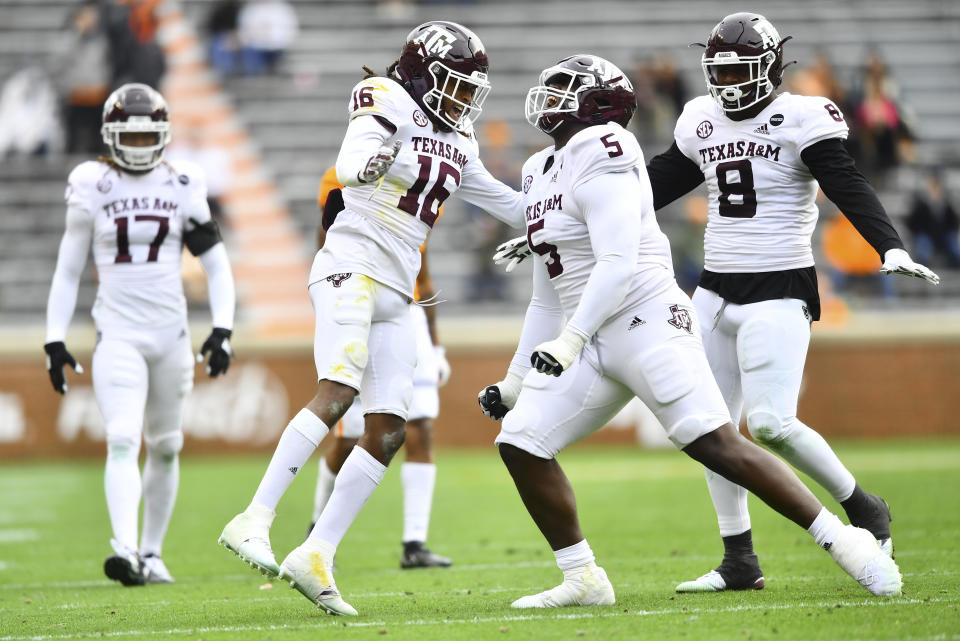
119, 569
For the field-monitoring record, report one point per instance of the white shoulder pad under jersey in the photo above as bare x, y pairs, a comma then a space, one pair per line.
762, 209
601, 149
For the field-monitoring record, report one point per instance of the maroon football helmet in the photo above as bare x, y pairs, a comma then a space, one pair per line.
582, 88
444, 67
134, 108
752, 44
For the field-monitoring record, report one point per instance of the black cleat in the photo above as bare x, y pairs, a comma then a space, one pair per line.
733, 574
417, 555
128, 570
876, 520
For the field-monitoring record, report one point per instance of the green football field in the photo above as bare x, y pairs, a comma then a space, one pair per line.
647, 516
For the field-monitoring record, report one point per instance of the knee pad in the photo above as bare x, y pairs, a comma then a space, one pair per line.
166, 445
766, 427
123, 447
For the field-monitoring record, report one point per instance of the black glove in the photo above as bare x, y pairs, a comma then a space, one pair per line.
57, 357
546, 364
491, 403
218, 344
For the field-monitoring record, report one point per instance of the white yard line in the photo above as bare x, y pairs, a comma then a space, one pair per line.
602, 614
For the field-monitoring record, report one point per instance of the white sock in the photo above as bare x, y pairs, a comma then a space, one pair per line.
825, 528
161, 477
418, 483
730, 503
298, 441
575, 556
807, 451
121, 483
358, 478
325, 481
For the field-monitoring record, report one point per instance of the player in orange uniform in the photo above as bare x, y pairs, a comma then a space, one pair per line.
418, 471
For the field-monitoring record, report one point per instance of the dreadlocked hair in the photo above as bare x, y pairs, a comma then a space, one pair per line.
390, 73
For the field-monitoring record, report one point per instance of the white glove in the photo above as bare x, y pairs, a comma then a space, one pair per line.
443, 365
553, 357
498, 399
515, 251
379, 163
898, 261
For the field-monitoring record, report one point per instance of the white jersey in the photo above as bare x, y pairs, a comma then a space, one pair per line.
762, 209
557, 231
383, 225
138, 224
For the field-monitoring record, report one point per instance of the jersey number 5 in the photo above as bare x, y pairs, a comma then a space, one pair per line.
554, 267
741, 188
123, 241
410, 201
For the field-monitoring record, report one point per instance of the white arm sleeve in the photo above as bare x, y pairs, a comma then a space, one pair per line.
541, 323
71, 259
364, 137
223, 297
479, 187
609, 204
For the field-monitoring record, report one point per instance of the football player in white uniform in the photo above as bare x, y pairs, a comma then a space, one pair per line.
418, 472
609, 321
409, 145
138, 212
762, 155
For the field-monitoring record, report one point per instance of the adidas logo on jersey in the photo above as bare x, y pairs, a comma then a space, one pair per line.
636, 322
762, 129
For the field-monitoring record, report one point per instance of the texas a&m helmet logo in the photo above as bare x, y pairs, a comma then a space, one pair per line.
682, 318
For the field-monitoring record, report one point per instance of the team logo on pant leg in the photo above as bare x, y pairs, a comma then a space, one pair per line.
682, 318
337, 279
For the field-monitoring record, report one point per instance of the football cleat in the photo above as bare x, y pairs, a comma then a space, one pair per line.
877, 523
309, 569
125, 566
248, 536
157, 570
585, 585
417, 555
734, 573
713, 581
858, 553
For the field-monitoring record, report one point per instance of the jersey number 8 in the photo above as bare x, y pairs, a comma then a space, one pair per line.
741, 188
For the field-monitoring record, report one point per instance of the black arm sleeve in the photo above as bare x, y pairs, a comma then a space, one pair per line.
841, 181
202, 237
672, 175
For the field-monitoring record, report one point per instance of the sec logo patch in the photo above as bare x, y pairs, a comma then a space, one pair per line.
419, 118
527, 181
704, 129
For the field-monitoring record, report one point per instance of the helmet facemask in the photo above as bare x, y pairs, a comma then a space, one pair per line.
741, 95
456, 92
135, 157
557, 93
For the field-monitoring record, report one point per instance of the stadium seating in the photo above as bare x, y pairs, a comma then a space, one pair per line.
297, 116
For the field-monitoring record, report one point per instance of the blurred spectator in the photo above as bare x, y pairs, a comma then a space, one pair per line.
661, 95
190, 142
81, 72
28, 114
222, 23
934, 224
131, 28
880, 127
853, 264
266, 29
